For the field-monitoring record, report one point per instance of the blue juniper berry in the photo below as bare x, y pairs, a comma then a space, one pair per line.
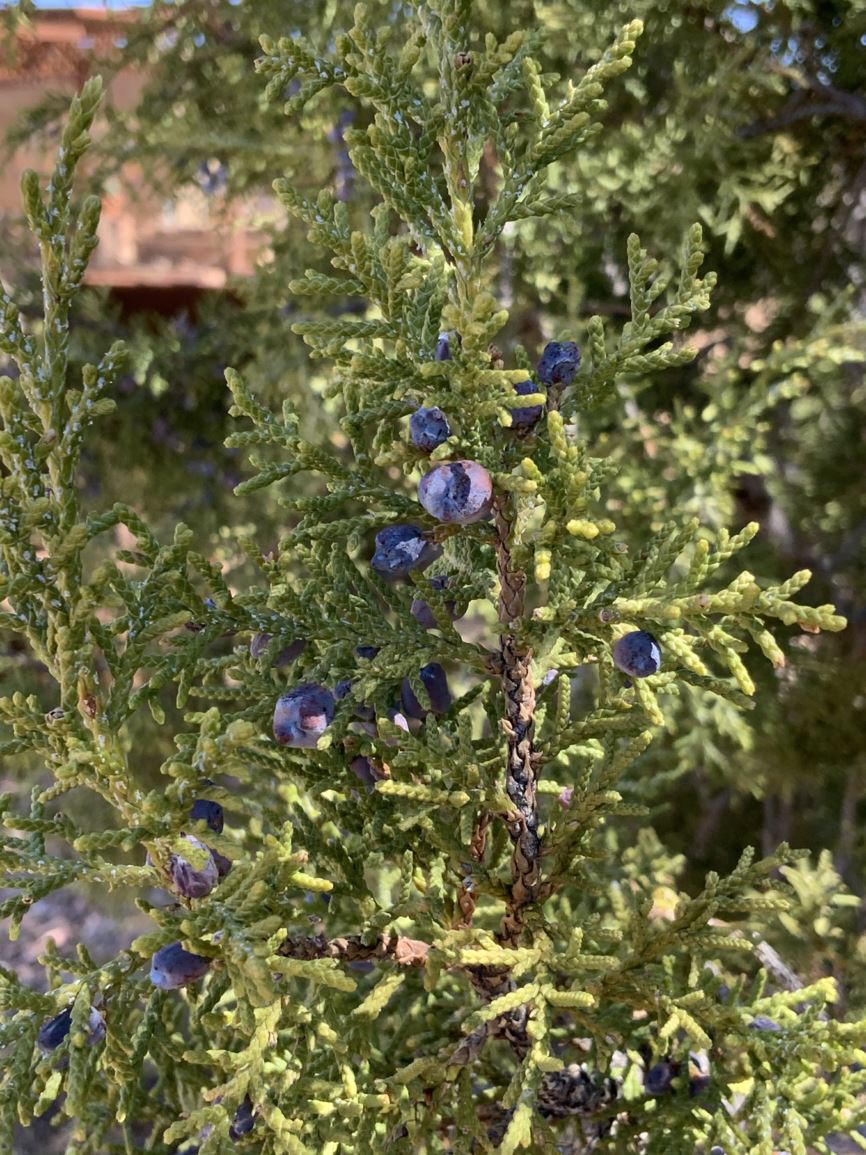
428, 428
443, 346
52, 1033
559, 363
259, 644
525, 416
435, 683
637, 654
457, 492
366, 770
658, 1080
212, 813
402, 548
244, 1120
172, 967
302, 715
196, 875
422, 613
203, 810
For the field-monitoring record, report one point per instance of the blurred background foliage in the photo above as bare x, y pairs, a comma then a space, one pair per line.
750, 117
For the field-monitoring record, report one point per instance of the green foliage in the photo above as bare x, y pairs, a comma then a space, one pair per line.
497, 968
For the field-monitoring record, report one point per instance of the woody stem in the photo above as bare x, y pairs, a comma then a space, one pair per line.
519, 725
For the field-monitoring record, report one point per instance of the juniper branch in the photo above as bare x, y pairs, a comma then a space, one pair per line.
518, 725
407, 952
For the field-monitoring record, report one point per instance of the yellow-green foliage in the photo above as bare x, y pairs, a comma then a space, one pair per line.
620, 965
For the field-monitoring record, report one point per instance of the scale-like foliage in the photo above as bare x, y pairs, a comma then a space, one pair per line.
428, 933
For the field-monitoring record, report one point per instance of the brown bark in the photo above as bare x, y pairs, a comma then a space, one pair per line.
520, 784
519, 726
466, 899
409, 952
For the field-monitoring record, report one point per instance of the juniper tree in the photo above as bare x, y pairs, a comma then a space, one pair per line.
433, 920
746, 117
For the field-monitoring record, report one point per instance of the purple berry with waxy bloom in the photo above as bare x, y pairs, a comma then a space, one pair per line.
559, 363
428, 428
203, 810
259, 644
343, 689
362, 710
435, 682
402, 548
637, 654
526, 416
398, 719
52, 1033
302, 715
422, 613
700, 1075
443, 347
395, 718
244, 1120
364, 769
173, 967
412, 708
763, 1023
196, 875
222, 863
212, 813
457, 492
658, 1080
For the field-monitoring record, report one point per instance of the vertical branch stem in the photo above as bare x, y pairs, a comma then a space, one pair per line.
520, 783
519, 725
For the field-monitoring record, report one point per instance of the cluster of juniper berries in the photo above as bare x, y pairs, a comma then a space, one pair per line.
454, 493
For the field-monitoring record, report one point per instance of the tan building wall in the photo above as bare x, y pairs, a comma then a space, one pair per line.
145, 244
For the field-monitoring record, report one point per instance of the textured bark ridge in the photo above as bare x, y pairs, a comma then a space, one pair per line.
466, 899
571, 1093
512, 583
520, 783
409, 952
518, 725
512, 666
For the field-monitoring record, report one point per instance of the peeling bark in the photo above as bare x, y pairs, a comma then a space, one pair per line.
405, 951
518, 725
